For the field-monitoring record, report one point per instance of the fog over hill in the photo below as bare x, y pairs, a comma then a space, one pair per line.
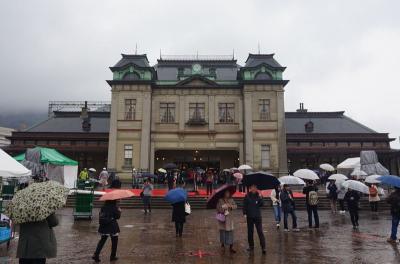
21, 120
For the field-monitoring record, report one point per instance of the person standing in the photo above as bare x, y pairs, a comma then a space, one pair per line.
340, 194
108, 226
170, 180
179, 217
394, 201
84, 175
147, 191
332, 195
209, 182
276, 204
225, 207
352, 198
37, 241
311, 192
252, 203
103, 178
288, 207
373, 198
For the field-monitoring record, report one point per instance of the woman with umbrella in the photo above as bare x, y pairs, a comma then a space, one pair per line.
108, 224
352, 197
222, 200
177, 197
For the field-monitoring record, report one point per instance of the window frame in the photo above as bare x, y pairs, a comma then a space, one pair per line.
169, 109
267, 149
128, 155
229, 113
131, 113
264, 109
197, 106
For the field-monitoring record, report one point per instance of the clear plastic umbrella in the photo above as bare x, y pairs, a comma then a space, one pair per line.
356, 185
291, 180
327, 167
245, 167
373, 179
338, 177
306, 174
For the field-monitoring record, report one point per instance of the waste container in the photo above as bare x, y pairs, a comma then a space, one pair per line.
83, 204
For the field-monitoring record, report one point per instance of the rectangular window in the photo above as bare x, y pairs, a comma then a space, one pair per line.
130, 109
264, 109
265, 156
226, 112
197, 111
128, 155
167, 112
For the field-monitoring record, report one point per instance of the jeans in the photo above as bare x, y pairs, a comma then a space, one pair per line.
179, 228
395, 224
285, 218
147, 203
312, 210
209, 186
277, 213
251, 222
354, 216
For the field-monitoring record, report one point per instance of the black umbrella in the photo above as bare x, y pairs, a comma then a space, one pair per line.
262, 180
218, 194
170, 166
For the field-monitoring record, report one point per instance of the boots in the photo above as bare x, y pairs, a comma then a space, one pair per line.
99, 247
114, 245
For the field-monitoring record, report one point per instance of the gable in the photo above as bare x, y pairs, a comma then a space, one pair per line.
197, 81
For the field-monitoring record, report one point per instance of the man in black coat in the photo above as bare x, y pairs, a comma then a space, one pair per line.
252, 203
352, 198
288, 207
394, 201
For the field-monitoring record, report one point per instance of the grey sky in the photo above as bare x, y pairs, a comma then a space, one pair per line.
341, 55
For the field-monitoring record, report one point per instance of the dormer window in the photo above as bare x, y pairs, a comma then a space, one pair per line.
309, 127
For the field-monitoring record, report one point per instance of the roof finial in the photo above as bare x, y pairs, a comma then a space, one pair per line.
233, 54
160, 54
136, 49
259, 50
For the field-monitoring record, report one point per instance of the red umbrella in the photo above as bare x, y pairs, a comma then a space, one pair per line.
218, 194
116, 194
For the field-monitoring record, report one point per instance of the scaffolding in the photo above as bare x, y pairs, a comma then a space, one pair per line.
76, 106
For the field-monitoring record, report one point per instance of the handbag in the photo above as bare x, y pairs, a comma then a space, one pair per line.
188, 210
220, 217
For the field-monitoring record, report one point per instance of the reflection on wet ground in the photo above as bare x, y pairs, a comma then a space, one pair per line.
151, 239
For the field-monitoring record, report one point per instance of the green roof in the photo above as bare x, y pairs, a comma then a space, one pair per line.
50, 156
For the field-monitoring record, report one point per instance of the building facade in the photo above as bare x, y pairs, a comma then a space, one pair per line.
197, 111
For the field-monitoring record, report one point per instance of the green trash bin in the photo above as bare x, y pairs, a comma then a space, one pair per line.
83, 204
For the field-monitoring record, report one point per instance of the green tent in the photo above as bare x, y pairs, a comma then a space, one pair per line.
50, 156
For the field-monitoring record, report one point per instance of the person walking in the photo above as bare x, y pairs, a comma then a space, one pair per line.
288, 207
170, 180
340, 195
37, 241
394, 201
276, 205
252, 203
179, 217
209, 182
332, 195
103, 178
311, 192
352, 198
108, 226
147, 192
225, 206
373, 198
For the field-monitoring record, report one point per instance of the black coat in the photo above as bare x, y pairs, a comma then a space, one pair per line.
178, 212
394, 201
251, 205
307, 190
352, 198
287, 201
111, 210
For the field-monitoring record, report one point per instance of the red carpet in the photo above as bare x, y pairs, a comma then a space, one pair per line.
203, 193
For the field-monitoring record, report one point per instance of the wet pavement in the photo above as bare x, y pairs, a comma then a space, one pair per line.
151, 239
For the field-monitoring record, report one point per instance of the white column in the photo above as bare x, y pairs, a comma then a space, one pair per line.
211, 113
152, 157
181, 113
282, 151
248, 129
112, 139
145, 135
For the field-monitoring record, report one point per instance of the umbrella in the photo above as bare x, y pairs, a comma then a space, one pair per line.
116, 195
226, 170
358, 172
238, 175
36, 202
162, 170
264, 181
147, 175
176, 195
92, 169
372, 179
356, 185
170, 166
338, 177
306, 174
390, 180
245, 167
291, 180
327, 167
218, 194
233, 169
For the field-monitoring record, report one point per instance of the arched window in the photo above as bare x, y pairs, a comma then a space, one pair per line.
263, 76
309, 127
131, 76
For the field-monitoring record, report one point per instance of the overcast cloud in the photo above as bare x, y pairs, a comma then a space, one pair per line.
340, 55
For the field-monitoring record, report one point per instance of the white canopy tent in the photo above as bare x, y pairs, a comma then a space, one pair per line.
10, 168
348, 166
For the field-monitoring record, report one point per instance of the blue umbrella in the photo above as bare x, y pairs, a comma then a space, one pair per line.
390, 180
176, 195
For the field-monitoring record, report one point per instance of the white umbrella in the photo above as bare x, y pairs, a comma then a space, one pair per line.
226, 170
359, 173
356, 185
306, 174
327, 167
291, 180
338, 177
245, 167
162, 170
92, 169
373, 179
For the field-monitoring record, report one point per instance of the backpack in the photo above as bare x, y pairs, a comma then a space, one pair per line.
373, 192
312, 198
